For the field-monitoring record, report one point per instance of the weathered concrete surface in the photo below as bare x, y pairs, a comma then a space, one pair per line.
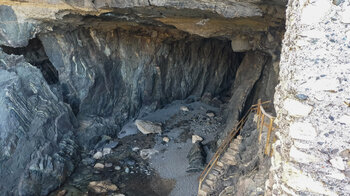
310, 156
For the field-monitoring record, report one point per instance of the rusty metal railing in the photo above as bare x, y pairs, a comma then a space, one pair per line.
261, 114
222, 148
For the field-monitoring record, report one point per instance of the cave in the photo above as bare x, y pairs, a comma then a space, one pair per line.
35, 55
136, 100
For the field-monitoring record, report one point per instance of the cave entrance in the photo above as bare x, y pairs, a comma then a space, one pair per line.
34, 54
152, 104
148, 90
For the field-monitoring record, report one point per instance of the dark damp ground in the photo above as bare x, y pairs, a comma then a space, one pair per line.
165, 172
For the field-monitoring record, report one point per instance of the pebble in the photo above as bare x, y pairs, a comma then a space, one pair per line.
210, 114
99, 166
135, 149
345, 119
338, 163
302, 96
88, 161
106, 151
127, 170
62, 193
112, 144
184, 108
98, 155
345, 154
302, 131
130, 162
147, 153
108, 164
196, 138
166, 139
117, 168
101, 187
295, 108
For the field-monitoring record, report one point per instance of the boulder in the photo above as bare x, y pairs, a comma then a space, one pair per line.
97, 155
147, 153
196, 158
100, 187
99, 166
148, 127
196, 138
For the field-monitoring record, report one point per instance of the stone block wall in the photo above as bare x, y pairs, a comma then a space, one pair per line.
312, 151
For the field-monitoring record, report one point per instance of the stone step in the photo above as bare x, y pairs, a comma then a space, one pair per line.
231, 151
205, 188
215, 172
229, 161
218, 169
228, 157
234, 146
220, 164
202, 193
212, 177
210, 183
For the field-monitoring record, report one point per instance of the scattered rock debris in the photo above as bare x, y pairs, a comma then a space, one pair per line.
158, 159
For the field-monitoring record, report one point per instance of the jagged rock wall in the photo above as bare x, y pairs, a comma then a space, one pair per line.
311, 155
247, 76
119, 72
115, 59
38, 149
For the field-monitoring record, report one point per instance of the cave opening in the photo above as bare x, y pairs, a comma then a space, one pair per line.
156, 94
151, 94
34, 54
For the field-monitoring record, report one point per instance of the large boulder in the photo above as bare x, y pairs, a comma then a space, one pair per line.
147, 127
37, 146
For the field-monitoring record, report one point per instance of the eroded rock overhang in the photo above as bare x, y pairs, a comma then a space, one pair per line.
249, 24
100, 49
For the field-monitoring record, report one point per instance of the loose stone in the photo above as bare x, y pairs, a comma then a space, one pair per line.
184, 108
166, 139
99, 166
98, 155
196, 138
99, 187
338, 163
148, 127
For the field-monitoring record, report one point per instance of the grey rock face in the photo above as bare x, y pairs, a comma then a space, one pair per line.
13, 32
124, 61
228, 9
37, 146
113, 74
247, 75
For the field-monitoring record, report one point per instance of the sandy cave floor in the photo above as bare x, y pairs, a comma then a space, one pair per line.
165, 172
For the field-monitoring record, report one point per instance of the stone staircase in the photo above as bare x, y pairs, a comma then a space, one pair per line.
240, 165
227, 159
